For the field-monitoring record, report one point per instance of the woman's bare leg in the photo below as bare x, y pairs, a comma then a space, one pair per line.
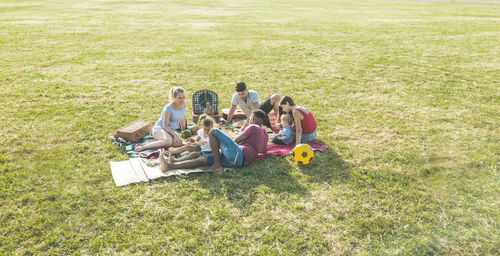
162, 140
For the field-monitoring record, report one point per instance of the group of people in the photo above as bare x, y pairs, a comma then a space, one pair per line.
217, 150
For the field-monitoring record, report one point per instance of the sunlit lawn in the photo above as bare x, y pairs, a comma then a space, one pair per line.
406, 95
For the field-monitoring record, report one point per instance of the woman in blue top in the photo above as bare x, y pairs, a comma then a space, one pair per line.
173, 118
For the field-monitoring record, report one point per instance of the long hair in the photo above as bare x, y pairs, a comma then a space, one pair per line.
284, 101
287, 99
174, 91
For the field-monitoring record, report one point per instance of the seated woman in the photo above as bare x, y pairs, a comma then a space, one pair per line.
173, 117
305, 123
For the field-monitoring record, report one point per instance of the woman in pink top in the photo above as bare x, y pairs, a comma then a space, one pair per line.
305, 123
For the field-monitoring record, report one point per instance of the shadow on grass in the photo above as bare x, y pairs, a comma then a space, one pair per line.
243, 186
280, 176
326, 167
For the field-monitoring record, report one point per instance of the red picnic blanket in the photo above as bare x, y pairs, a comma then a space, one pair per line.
283, 150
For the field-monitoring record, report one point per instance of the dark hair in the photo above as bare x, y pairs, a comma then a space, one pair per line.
241, 86
287, 99
261, 116
284, 101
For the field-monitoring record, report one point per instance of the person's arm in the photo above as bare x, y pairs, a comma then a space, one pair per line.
253, 101
231, 113
264, 146
198, 140
287, 134
249, 131
166, 119
183, 124
297, 116
280, 135
254, 105
276, 110
240, 138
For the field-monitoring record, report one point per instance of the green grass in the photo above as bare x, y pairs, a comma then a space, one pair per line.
406, 94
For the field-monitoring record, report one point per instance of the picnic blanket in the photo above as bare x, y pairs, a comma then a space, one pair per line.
142, 166
283, 150
135, 170
148, 156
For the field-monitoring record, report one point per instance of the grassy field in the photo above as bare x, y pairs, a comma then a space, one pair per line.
406, 94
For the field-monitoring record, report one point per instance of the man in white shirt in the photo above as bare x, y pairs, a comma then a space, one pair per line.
248, 100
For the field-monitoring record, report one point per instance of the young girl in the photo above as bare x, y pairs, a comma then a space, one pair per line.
172, 118
201, 145
286, 135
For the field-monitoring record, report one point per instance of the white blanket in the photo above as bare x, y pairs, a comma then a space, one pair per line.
134, 171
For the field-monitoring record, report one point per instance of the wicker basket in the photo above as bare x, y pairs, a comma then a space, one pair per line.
238, 114
134, 131
200, 98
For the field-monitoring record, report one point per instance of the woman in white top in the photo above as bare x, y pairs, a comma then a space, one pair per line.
172, 119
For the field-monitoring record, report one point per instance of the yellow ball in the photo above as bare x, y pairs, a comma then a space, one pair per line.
302, 153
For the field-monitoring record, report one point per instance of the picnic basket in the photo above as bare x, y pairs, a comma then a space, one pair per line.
134, 131
200, 98
238, 114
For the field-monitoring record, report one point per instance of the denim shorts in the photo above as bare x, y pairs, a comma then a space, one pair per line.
231, 154
308, 137
155, 129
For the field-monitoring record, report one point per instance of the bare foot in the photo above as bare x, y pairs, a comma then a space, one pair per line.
216, 168
171, 158
164, 166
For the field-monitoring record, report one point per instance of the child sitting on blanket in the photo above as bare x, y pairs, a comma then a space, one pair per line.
201, 145
286, 135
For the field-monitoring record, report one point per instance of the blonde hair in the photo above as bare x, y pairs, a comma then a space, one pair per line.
174, 91
288, 118
206, 121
